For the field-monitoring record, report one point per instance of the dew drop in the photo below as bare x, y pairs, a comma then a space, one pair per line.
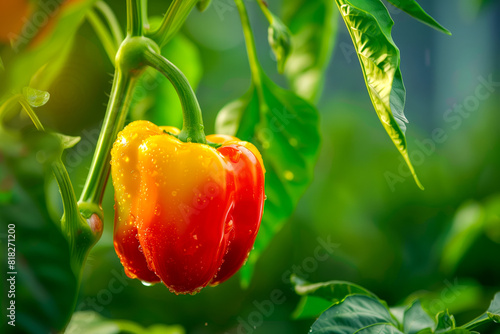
146, 283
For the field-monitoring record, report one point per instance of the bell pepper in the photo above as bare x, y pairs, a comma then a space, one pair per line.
186, 214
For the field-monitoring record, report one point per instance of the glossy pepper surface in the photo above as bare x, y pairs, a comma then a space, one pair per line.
186, 214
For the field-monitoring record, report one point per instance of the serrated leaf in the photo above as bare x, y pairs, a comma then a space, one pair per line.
415, 10
284, 128
369, 25
35, 97
416, 319
317, 297
380, 329
314, 25
445, 322
355, 312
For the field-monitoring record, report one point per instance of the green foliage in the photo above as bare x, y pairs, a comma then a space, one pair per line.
353, 313
284, 127
313, 24
317, 297
414, 9
46, 58
280, 41
88, 322
370, 25
46, 286
364, 313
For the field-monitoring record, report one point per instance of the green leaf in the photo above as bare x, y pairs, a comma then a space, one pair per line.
280, 41
35, 97
202, 5
494, 317
413, 8
67, 141
416, 319
284, 127
380, 329
445, 322
355, 312
314, 25
45, 284
491, 314
369, 25
466, 227
49, 52
317, 297
155, 98
89, 322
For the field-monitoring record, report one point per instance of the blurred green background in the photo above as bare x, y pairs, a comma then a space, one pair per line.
442, 244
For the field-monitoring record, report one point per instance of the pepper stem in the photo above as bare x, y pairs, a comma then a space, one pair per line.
192, 129
120, 99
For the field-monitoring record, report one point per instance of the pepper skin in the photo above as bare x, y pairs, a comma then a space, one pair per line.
186, 213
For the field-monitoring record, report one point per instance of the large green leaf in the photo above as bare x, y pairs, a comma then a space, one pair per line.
317, 297
416, 319
379, 329
313, 24
155, 99
284, 127
413, 8
352, 314
45, 284
89, 322
369, 25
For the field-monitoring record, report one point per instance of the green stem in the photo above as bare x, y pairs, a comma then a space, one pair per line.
71, 216
250, 44
120, 99
104, 36
74, 227
172, 21
134, 18
265, 9
31, 114
111, 20
192, 129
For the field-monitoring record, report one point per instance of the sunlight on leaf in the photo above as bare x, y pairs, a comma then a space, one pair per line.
355, 312
369, 25
313, 24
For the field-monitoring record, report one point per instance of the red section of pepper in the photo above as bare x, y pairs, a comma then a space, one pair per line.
186, 214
